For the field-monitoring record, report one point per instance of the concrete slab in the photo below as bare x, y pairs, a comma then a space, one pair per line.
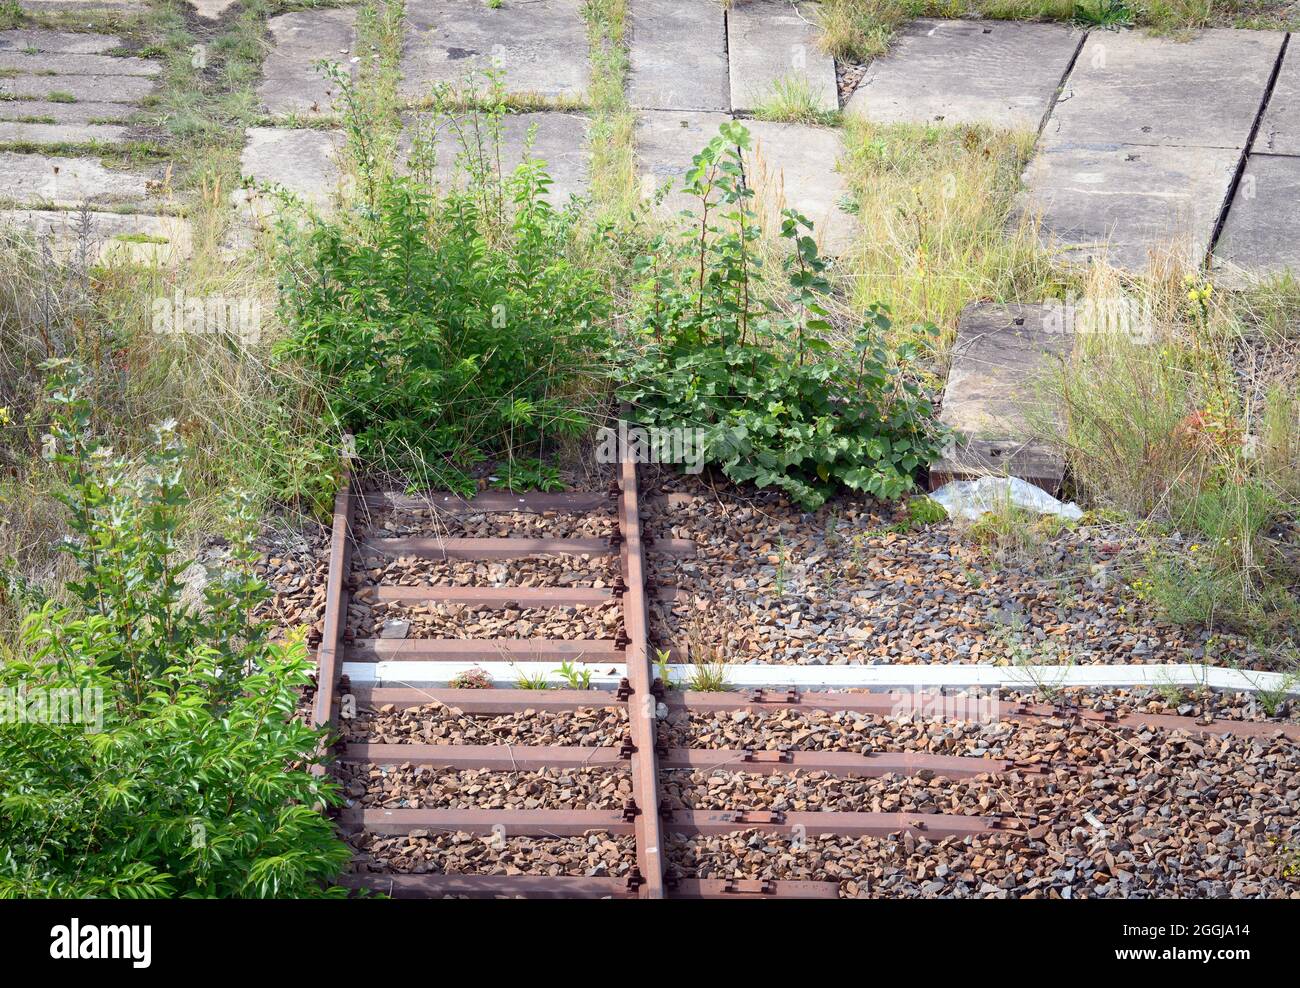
1121, 203
1261, 236
107, 238
1001, 73
44, 63
47, 6
291, 83
541, 45
559, 139
36, 179
44, 6
66, 88
1129, 88
75, 114
666, 141
304, 162
773, 43
1279, 130
212, 9
994, 399
61, 42
678, 56
796, 166
29, 133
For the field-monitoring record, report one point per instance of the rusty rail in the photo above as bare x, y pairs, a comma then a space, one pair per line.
336, 607
642, 704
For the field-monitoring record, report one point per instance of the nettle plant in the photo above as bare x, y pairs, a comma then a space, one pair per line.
193, 782
780, 404
448, 326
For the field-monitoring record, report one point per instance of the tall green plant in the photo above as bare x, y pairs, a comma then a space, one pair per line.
188, 780
779, 403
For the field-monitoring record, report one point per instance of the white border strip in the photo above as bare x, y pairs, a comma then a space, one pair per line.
882, 677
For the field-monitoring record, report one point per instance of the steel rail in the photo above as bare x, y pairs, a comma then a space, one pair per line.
642, 704
336, 607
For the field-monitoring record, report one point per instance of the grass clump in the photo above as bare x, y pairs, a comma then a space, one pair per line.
771, 398
1160, 428
933, 204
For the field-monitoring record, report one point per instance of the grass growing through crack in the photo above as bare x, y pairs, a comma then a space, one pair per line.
933, 204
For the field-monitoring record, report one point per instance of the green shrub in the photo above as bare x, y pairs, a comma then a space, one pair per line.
189, 779
779, 403
446, 330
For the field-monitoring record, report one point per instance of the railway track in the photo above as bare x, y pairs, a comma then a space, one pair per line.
641, 757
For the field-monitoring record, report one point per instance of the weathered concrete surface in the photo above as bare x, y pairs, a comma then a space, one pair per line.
65, 64
1121, 203
28, 133
1261, 236
61, 42
559, 139
540, 44
76, 114
1129, 88
772, 43
98, 88
35, 179
1001, 73
995, 399
666, 141
303, 162
69, 232
796, 166
45, 6
291, 83
212, 9
1279, 130
678, 56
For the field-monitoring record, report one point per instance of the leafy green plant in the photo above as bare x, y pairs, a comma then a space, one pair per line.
190, 779
450, 327
578, 679
777, 402
922, 511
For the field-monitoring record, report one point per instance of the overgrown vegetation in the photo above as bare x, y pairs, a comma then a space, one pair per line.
778, 403
448, 326
181, 770
1160, 426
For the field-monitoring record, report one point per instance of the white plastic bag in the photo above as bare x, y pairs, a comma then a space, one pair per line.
968, 499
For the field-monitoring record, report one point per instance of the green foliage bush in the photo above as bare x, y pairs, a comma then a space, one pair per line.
194, 783
781, 404
447, 327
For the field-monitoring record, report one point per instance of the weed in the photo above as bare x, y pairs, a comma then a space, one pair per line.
709, 677
578, 679
922, 511
536, 681
792, 100
448, 328
1103, 13
471, 679
775, 402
